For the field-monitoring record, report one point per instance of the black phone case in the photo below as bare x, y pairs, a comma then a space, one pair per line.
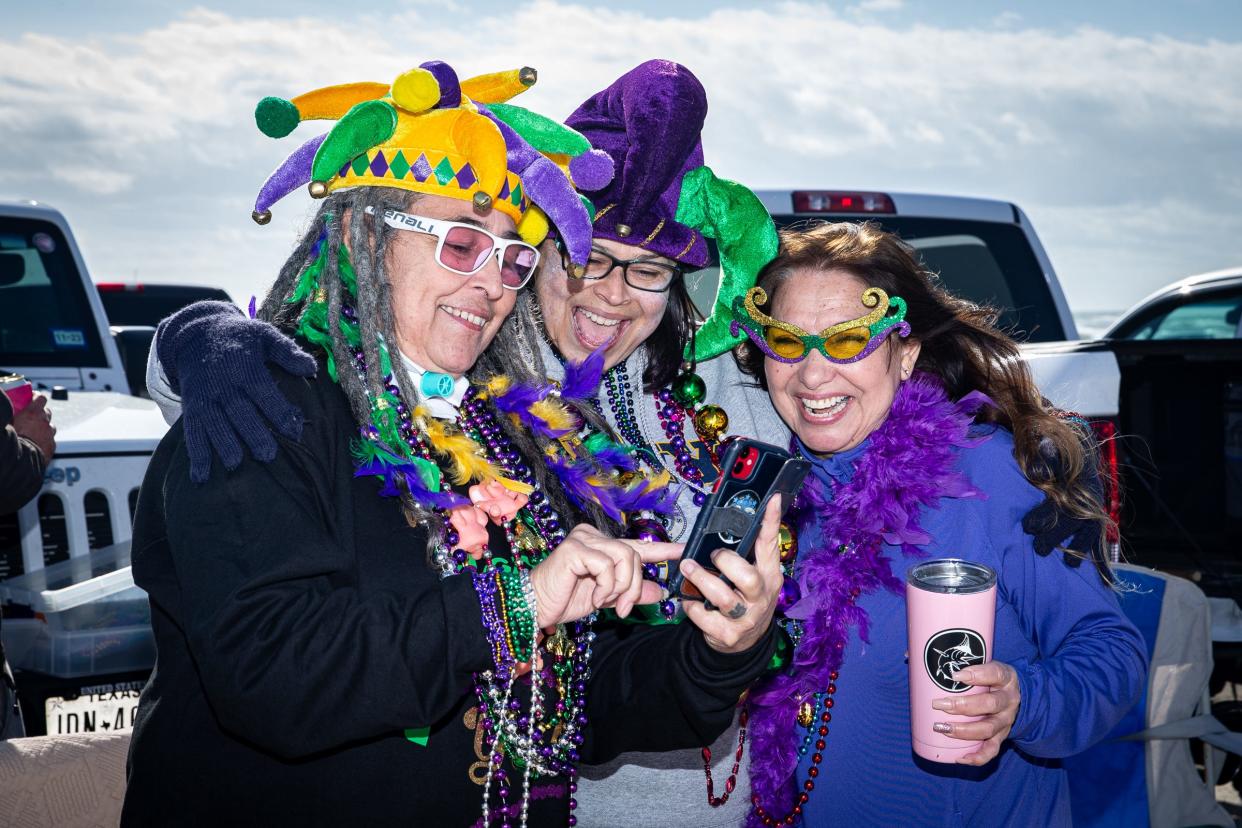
731, 517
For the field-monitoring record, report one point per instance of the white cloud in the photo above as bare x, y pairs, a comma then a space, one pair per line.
1078, 127
93, 179
924, 134
1007, 20
870, 6
1124, 251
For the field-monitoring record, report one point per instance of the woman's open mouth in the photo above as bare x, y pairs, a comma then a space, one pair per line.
824, 410
594, 330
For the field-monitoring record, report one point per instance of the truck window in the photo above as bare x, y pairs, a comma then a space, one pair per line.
970, 265
1218, 317
45, 316
985, 262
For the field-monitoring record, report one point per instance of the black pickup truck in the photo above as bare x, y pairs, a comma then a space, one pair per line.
127, 303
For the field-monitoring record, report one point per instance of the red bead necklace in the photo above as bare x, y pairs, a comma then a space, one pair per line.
731, 782
821, 741
812, 773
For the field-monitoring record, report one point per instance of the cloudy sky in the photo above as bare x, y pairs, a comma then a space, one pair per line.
1116, 125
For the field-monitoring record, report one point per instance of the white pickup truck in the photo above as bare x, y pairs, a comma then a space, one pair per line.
987, 251
53, 330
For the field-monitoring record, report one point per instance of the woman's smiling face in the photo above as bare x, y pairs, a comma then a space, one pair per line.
583, 315
443, 319
833, 407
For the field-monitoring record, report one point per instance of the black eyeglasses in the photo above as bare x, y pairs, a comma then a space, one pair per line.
640, 274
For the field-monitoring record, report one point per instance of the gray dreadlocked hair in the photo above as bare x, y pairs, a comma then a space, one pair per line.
367, 245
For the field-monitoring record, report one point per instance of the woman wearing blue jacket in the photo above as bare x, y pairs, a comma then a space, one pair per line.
923, 427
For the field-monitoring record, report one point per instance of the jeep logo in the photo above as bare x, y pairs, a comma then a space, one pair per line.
67, 475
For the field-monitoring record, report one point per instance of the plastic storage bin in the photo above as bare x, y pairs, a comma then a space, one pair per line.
74, 653
90, 618
84, 593
19, 635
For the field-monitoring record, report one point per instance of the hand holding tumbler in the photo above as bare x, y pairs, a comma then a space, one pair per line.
18, 389
950, 618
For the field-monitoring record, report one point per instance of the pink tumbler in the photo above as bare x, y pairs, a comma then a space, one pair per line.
17, 388
950, 616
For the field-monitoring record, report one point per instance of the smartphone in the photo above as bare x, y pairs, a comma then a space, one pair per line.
751, 472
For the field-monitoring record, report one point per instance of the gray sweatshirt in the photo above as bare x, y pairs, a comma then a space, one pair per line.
671, 787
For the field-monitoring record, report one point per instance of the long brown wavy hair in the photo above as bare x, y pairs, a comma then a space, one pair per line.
963, 347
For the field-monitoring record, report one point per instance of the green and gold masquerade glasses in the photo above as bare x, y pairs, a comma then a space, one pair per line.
842, 343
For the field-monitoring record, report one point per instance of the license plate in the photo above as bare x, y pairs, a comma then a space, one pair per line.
91, 713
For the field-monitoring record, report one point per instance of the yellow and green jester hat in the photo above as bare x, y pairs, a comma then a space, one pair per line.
429, 133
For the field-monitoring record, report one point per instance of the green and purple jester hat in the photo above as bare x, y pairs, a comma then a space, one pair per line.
664, 199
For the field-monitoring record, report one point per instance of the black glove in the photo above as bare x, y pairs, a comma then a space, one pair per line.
1052, 528
215, 358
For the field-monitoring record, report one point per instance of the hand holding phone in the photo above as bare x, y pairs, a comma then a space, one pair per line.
751, 474
746, 593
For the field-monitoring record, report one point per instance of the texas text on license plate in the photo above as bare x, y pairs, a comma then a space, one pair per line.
106, 712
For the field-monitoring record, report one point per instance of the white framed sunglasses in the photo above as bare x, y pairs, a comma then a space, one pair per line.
465, 248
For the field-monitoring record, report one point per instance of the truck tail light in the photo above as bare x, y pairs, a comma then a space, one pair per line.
1106, 433
117, 287
841, 201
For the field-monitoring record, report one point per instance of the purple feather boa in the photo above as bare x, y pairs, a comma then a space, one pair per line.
880, 505
640, 498
615, 457
519, 397
575, 477
576, 474
392, 473
582, 379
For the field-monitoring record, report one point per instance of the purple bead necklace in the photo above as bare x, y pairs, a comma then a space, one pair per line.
673, 406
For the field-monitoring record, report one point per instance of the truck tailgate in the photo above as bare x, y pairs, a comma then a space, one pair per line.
1076, 376
1181, 455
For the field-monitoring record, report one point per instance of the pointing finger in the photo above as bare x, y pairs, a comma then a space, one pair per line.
654, 551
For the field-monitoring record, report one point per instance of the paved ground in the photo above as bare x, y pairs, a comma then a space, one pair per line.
1227, 795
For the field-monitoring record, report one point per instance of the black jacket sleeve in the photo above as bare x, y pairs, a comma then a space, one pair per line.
21, 463
663, 688
293, 653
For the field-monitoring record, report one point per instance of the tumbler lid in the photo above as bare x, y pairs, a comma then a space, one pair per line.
951, 576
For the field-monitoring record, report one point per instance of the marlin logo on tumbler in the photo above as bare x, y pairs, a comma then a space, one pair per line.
949, 651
